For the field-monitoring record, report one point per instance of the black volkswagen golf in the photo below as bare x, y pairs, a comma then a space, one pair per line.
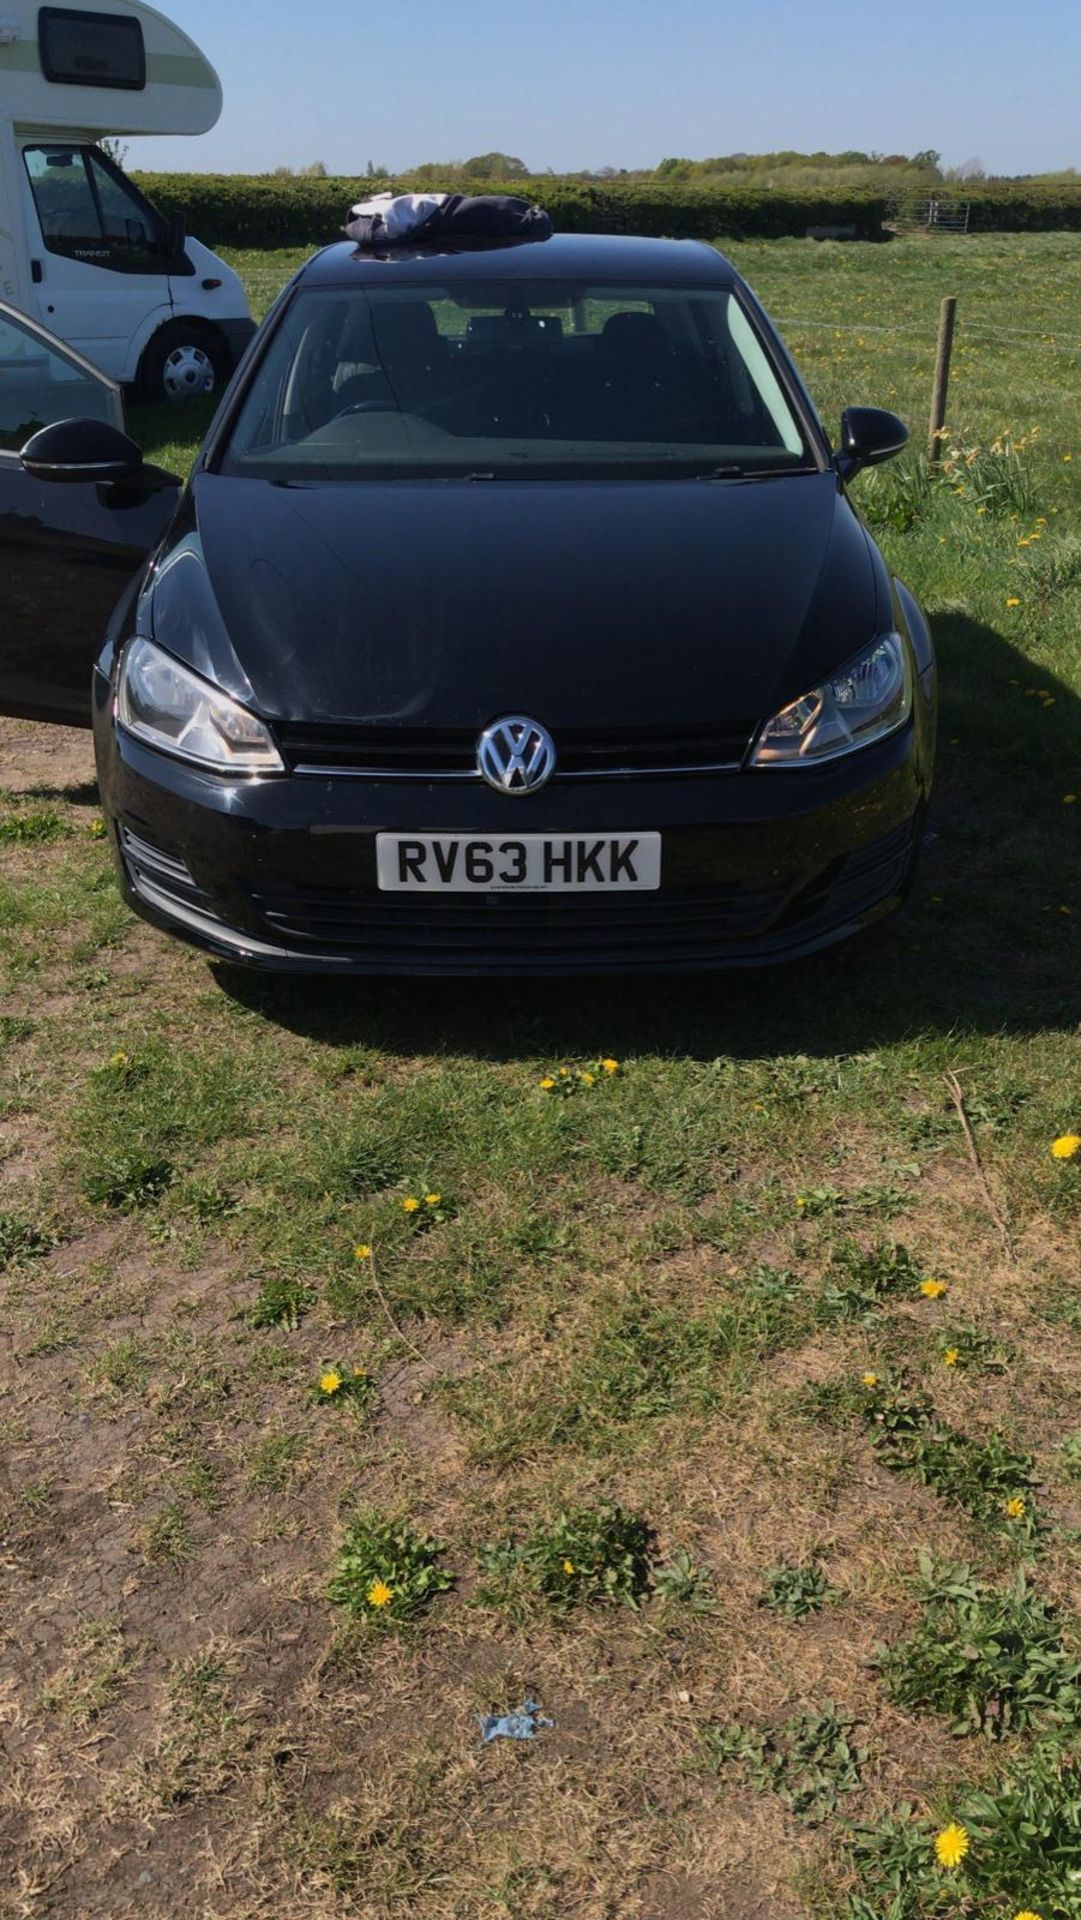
516, 619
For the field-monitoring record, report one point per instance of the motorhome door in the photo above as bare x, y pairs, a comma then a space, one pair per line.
100, 256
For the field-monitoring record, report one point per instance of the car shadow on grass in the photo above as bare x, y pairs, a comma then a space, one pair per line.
989, 941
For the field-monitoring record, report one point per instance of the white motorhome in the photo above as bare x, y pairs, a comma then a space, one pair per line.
81, 249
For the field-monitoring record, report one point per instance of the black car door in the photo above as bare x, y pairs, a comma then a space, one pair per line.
66, 551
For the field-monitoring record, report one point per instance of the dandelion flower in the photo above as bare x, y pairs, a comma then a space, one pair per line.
568, 1567
432, 1199
119, 1060
610, 1066
870, 1379
1027, 1915
950, 1357
1069, 799
359, 1373
1012, 600
564, 1073
546, 1084
363, 1252
410, 1205
800, 1203
97, 829
379, 1594
587, 1079
330, 1382
951, 1846
932, 1289
1015, 1508
1066, 1146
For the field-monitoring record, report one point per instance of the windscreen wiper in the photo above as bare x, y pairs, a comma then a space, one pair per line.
731, 470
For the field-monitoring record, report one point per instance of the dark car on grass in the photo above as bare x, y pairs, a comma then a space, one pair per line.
516, 618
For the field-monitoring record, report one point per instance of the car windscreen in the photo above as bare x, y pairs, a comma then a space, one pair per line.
519, 380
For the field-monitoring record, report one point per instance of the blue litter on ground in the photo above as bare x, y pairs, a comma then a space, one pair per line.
523, 1725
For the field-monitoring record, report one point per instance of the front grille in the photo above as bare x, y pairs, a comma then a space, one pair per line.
444, 753
553, 933
556, 930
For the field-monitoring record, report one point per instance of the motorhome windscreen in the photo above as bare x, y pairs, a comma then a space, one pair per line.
91, 49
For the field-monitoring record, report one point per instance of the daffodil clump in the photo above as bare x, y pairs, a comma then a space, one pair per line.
386, 1571
566, 1080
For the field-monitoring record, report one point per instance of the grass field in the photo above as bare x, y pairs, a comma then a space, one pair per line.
722, 1396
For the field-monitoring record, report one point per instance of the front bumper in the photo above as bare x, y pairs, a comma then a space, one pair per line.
280, 873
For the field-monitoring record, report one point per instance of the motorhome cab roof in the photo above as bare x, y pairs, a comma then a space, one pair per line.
114, 67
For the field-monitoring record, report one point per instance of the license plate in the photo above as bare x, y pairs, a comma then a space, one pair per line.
522, 863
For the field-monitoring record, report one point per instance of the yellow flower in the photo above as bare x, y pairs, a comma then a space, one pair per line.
410, 1205
800, 1203
379, 1594
932, 1289
119, 1060
587, 1079
564, 1073
546, 1084
951, 1846
1069, 799
363, 1252
568, 1567
432, 1199
610, 1066
950, 1357
97, 829
1027, 1915
870, 1379
1012, 600
330, 1381
1015, 1508
359, 1373
1066, 1146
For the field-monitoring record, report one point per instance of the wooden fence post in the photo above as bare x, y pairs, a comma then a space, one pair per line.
947, 315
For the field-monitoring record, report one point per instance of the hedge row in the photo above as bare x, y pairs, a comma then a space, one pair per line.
263, 210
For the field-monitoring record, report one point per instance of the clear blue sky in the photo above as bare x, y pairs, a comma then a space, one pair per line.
590, 83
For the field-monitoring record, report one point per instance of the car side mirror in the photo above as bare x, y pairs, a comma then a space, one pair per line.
869, 435
81, 451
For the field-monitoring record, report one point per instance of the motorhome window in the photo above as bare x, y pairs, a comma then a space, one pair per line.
39, 385
88, 211
91, 49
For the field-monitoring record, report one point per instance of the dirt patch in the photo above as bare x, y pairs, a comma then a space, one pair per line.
55, 762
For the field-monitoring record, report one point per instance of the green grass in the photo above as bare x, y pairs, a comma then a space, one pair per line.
654, 1298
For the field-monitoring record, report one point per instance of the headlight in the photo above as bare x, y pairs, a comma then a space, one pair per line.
870, 697
169, 706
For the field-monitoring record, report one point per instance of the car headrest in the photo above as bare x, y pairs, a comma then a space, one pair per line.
405, 332
634, 342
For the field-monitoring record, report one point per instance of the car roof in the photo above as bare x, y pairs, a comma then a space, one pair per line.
628, 259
